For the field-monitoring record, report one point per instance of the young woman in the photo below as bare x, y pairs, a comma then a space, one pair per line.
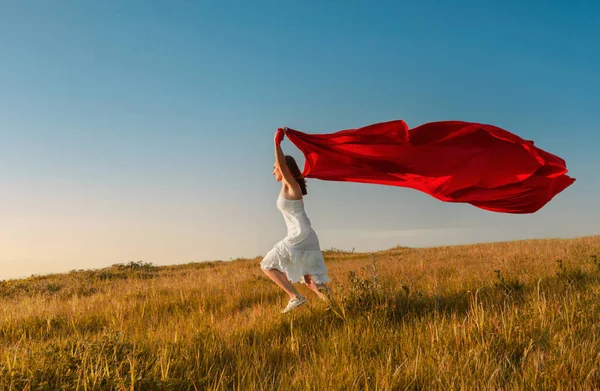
297, 257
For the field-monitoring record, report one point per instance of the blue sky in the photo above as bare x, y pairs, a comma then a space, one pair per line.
142, 130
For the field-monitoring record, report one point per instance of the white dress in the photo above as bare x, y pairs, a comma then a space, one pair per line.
299, 253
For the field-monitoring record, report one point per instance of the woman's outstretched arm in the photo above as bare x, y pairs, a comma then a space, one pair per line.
288, 178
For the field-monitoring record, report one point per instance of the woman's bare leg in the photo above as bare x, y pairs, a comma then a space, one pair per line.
281, 280
312, 285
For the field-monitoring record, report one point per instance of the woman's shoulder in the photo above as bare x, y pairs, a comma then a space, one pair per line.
290, 195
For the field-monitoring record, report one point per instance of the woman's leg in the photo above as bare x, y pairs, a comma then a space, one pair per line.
281, 280
312, 285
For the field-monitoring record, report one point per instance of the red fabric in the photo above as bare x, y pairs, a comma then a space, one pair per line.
452, 161
279, 136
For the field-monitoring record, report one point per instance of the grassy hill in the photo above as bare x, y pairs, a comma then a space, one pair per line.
516, 315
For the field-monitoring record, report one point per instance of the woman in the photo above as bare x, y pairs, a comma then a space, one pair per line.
298, 257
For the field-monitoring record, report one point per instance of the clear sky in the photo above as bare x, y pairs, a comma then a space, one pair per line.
142, 130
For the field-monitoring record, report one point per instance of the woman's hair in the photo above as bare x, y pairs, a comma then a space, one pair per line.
293, 166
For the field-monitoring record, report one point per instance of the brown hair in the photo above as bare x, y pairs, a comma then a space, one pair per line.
293, 166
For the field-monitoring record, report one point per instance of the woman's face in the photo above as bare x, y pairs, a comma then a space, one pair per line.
277, 173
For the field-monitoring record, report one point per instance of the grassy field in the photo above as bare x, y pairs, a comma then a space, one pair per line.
518, 315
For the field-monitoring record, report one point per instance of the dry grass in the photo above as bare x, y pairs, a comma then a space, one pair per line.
488, 316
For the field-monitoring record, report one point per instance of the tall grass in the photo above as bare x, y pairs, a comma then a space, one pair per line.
517, 315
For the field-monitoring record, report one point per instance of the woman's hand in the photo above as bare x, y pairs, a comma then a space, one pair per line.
279, 135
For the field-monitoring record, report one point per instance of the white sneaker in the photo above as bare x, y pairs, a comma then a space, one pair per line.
325, 292
293, 303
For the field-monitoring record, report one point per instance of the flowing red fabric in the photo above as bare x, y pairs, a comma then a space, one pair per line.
453, 161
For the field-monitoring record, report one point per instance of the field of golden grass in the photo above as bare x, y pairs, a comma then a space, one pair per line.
516, 315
